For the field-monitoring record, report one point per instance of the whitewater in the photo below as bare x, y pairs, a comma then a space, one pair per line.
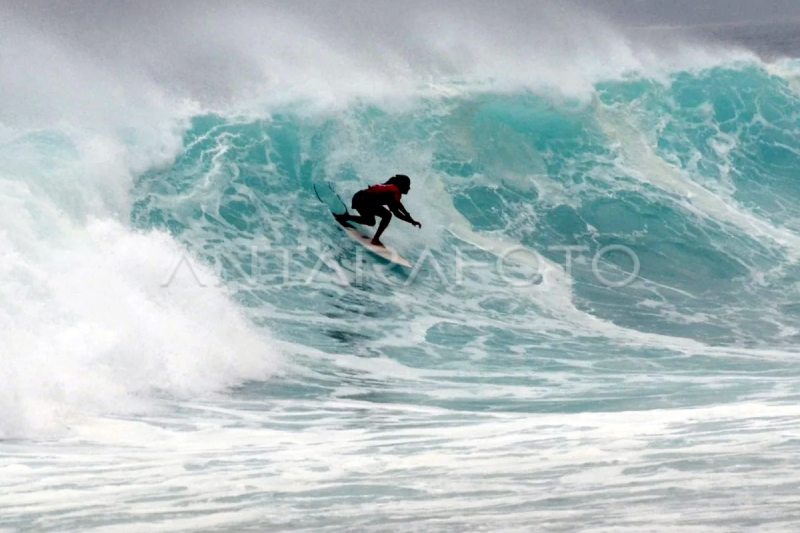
600, 333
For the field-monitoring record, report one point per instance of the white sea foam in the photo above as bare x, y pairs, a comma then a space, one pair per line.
86, 324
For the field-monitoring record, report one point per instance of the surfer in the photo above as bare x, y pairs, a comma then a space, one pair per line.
373, 202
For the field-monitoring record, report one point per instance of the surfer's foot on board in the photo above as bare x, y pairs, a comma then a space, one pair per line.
376, 242
342, 219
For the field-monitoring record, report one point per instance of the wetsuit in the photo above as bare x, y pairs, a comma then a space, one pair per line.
371, 202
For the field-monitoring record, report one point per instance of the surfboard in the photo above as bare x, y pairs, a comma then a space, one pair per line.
381, 251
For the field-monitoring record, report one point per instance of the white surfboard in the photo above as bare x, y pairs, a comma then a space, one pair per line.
381, 251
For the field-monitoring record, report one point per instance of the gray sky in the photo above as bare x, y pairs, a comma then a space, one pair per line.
694, 12
627, 12
67, 56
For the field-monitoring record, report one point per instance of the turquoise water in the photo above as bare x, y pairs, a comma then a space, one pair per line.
695, 177
225, 359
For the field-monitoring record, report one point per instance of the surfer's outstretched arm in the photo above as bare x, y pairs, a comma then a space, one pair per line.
400, 211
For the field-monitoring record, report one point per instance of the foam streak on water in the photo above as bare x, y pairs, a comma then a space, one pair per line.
298, 466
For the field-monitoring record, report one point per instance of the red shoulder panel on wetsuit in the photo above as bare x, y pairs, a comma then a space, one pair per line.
384, 189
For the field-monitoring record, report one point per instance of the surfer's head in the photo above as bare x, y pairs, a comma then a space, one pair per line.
401, 181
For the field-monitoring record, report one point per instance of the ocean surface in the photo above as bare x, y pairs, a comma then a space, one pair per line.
600, 333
